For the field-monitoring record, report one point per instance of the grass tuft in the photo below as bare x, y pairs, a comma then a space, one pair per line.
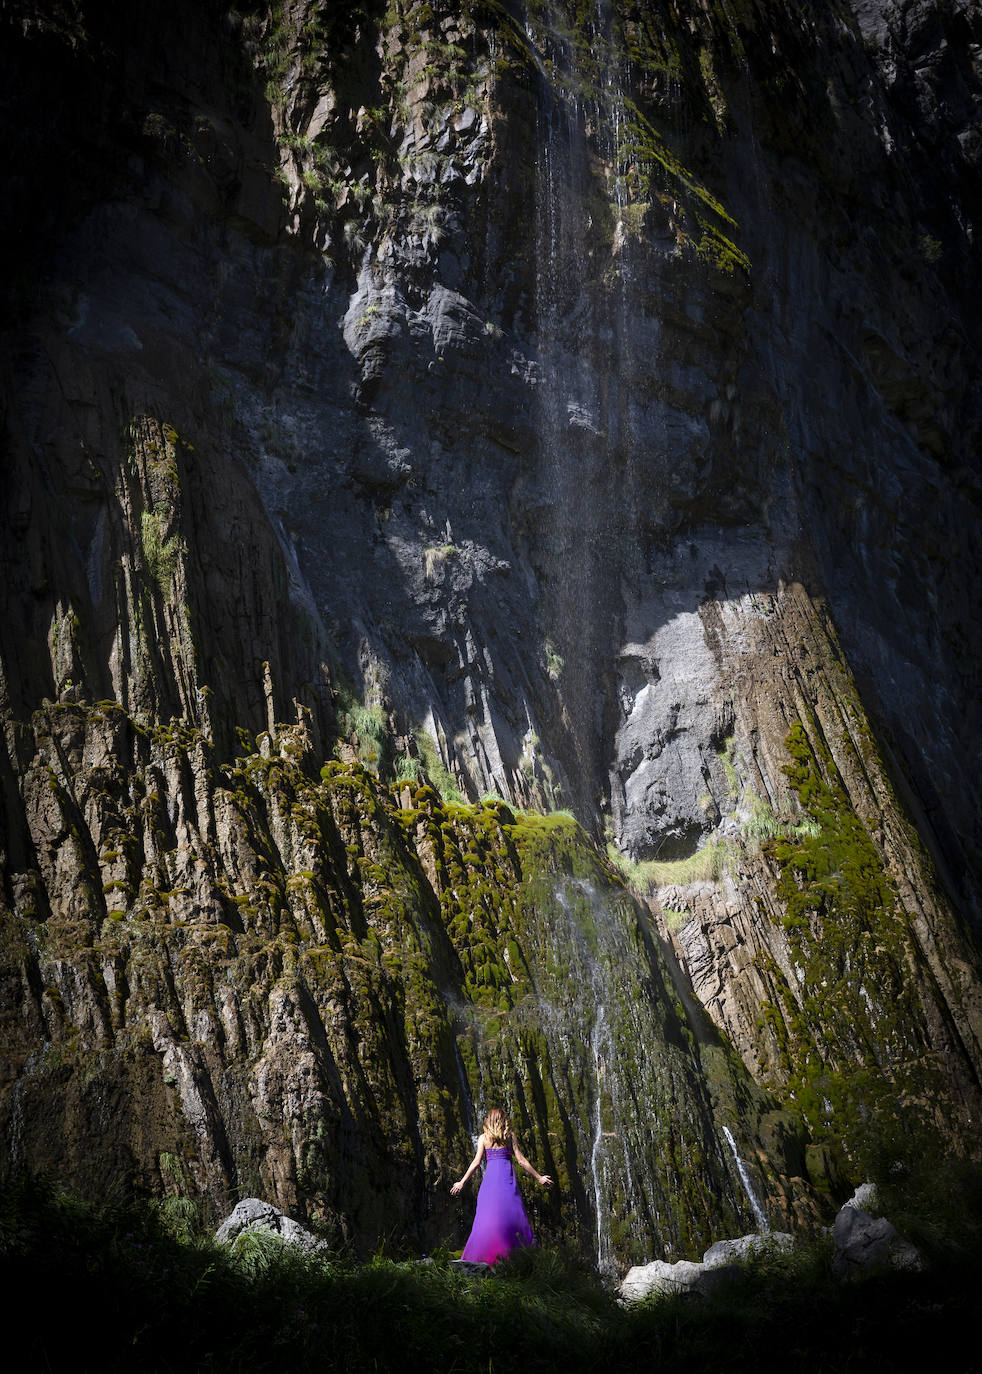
706, 865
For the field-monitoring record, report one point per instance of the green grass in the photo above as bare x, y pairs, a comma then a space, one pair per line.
369, 725
706, 865
408, 769
160, 555
762, 825
134, 1286
728, 757
674, 918
439, 775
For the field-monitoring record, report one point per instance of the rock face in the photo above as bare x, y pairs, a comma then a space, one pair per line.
306, 986
490, 401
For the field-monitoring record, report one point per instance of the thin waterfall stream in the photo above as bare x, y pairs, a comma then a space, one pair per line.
600, 1047
604, 1125
581, 273
762, 1223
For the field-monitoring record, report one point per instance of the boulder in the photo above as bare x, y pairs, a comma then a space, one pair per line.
252, 1214
731, 1251
719, 1263
864, 1244
473, 1268
661, 1277
865, 1198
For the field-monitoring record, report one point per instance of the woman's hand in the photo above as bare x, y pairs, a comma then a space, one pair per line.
545, 1180
456, 1187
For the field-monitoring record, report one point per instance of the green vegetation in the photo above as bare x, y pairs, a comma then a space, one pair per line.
366, 727
717, 856
595, 62
272, 38
632, 219
434, 767
161, 553
857, 959
554, 661
131, 1291
706, 865
674, 918
612, 66
409, 769
762, 824
474, 943
728, 757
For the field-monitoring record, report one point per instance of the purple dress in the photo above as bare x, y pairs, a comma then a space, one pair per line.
500, 1223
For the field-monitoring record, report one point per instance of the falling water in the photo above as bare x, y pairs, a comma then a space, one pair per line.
600, 1022
465, 1092
601, 1047
762, 1223
605, 1166
580, 336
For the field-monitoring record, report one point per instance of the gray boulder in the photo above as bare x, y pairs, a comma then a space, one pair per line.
719, 1263
864, 1243
252, 1214
661, 1277
731, 1251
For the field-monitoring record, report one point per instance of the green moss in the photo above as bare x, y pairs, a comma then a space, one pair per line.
848, 936
404, 939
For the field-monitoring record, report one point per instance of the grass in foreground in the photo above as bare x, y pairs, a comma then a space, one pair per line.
121, 1292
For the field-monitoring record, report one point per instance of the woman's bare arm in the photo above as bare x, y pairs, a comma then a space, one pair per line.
456, 1187
544, 1179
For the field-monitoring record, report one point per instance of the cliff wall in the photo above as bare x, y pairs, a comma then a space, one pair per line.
571, 406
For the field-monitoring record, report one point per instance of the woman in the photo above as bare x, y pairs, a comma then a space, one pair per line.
500, 1223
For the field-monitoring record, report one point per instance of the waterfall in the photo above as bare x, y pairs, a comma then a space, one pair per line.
600, 1046
465, 1092
762, 1223
578, 345
603, 1061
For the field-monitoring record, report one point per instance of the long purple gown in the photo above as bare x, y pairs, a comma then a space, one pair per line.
500, 1223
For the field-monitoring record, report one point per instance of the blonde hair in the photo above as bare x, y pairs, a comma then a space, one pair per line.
497, 1129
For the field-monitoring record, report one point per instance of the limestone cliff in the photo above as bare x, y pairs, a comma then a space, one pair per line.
570, 405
